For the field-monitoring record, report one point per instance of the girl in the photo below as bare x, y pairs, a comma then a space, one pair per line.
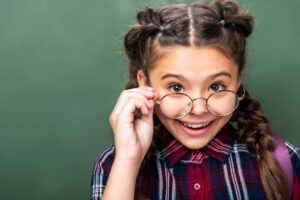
172, 133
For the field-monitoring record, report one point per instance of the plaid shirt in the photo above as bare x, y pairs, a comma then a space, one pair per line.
224, 169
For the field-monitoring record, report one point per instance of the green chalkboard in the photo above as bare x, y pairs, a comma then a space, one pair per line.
63, 68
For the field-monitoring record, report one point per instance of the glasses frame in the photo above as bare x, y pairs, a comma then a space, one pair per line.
206, 100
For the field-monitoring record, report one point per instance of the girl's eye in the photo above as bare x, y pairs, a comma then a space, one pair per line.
175, 88
217, 87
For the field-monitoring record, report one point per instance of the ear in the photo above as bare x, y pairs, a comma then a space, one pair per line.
142, 78
240, 78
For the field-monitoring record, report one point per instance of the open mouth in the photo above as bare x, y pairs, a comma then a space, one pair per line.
195, 126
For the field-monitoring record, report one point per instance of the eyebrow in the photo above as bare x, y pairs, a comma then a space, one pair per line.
211, 77
220, 74
168, 75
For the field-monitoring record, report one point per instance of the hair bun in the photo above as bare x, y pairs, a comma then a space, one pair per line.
231, 14
149, 16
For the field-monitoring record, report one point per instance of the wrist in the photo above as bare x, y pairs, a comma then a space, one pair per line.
129, 167
130, 155
127, 160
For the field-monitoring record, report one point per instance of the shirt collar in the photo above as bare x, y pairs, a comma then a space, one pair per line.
219, 147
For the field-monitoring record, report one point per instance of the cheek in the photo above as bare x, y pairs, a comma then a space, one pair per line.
161, 91
159, 114
222, 121
167, 122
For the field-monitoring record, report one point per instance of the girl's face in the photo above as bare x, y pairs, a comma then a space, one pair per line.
197, 72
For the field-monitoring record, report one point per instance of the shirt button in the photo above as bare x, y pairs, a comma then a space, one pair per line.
197, 186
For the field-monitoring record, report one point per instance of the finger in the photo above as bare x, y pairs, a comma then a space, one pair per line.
149, 93
147, 88
139, 95
126, 94
122, 102
127, 114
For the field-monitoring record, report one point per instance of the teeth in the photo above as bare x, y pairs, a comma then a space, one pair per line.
194, 125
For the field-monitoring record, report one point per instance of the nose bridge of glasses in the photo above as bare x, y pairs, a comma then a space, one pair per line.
201, 104
199, 98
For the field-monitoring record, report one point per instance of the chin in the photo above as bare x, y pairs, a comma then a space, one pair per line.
193, 146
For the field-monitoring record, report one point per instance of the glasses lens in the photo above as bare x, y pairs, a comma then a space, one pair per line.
222, 103
176, 105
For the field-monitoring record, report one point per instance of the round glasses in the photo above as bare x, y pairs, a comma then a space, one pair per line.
179, 105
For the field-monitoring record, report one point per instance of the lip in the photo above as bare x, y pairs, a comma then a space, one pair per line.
192, 132
196, 122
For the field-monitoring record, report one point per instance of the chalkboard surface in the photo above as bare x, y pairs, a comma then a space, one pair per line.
63, 68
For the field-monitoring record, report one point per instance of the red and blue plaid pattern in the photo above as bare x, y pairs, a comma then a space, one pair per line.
224, 169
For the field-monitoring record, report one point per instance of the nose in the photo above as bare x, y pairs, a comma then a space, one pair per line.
199, 106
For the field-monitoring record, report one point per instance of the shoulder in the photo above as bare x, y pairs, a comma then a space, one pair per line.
105, 160
294, 153
101, 172
293, 150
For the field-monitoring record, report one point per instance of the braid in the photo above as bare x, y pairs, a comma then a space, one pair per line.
255, 132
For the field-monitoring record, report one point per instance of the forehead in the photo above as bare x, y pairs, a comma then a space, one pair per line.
193, 62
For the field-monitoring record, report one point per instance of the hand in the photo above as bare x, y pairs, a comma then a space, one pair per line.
133, 136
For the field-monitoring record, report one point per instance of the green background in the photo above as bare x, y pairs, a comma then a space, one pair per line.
63, 68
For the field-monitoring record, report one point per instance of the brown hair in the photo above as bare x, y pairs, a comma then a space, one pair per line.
200, 24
